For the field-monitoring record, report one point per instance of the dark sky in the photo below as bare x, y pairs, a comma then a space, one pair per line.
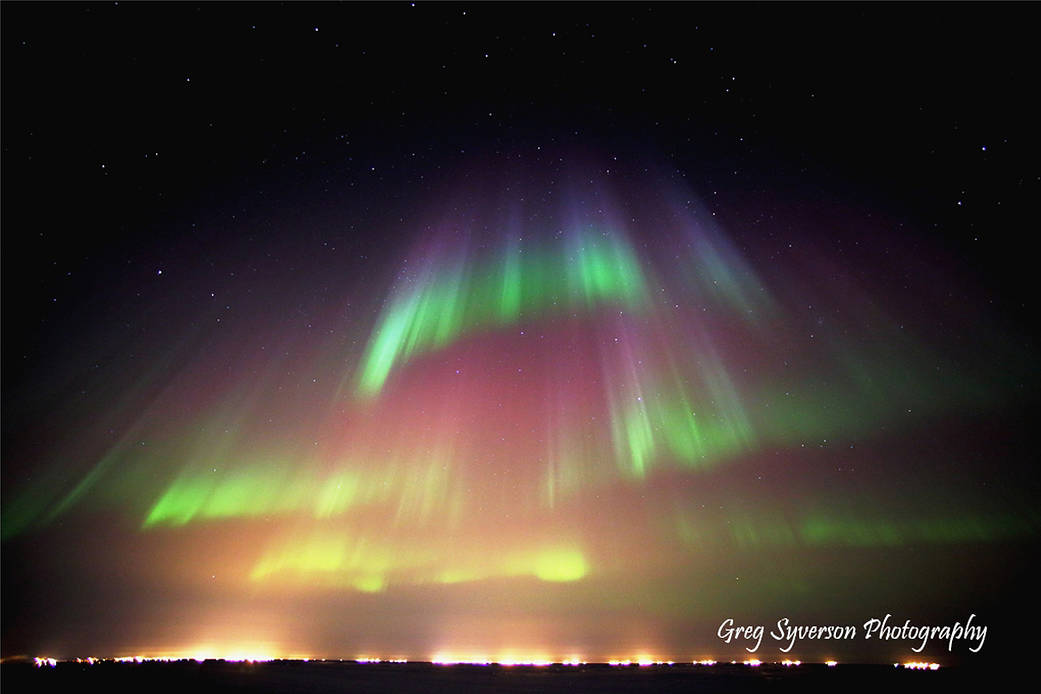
515, 330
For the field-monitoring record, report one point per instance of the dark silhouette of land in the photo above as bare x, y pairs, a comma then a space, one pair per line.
318, 677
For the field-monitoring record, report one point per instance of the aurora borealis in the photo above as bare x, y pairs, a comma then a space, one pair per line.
532, 394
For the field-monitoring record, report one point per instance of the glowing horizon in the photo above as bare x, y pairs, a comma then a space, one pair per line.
441, 659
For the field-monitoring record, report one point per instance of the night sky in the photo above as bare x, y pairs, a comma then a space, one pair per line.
516, 331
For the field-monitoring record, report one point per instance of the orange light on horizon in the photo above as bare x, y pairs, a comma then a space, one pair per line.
438, 659
444, 659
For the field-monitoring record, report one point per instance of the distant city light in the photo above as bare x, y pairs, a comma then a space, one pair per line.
439, 659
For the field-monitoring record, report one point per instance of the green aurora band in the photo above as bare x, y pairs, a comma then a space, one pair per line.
596, 269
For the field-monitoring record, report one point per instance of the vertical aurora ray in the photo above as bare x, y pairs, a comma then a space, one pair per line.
512, 283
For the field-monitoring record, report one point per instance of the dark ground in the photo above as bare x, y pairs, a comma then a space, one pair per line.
317, 677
